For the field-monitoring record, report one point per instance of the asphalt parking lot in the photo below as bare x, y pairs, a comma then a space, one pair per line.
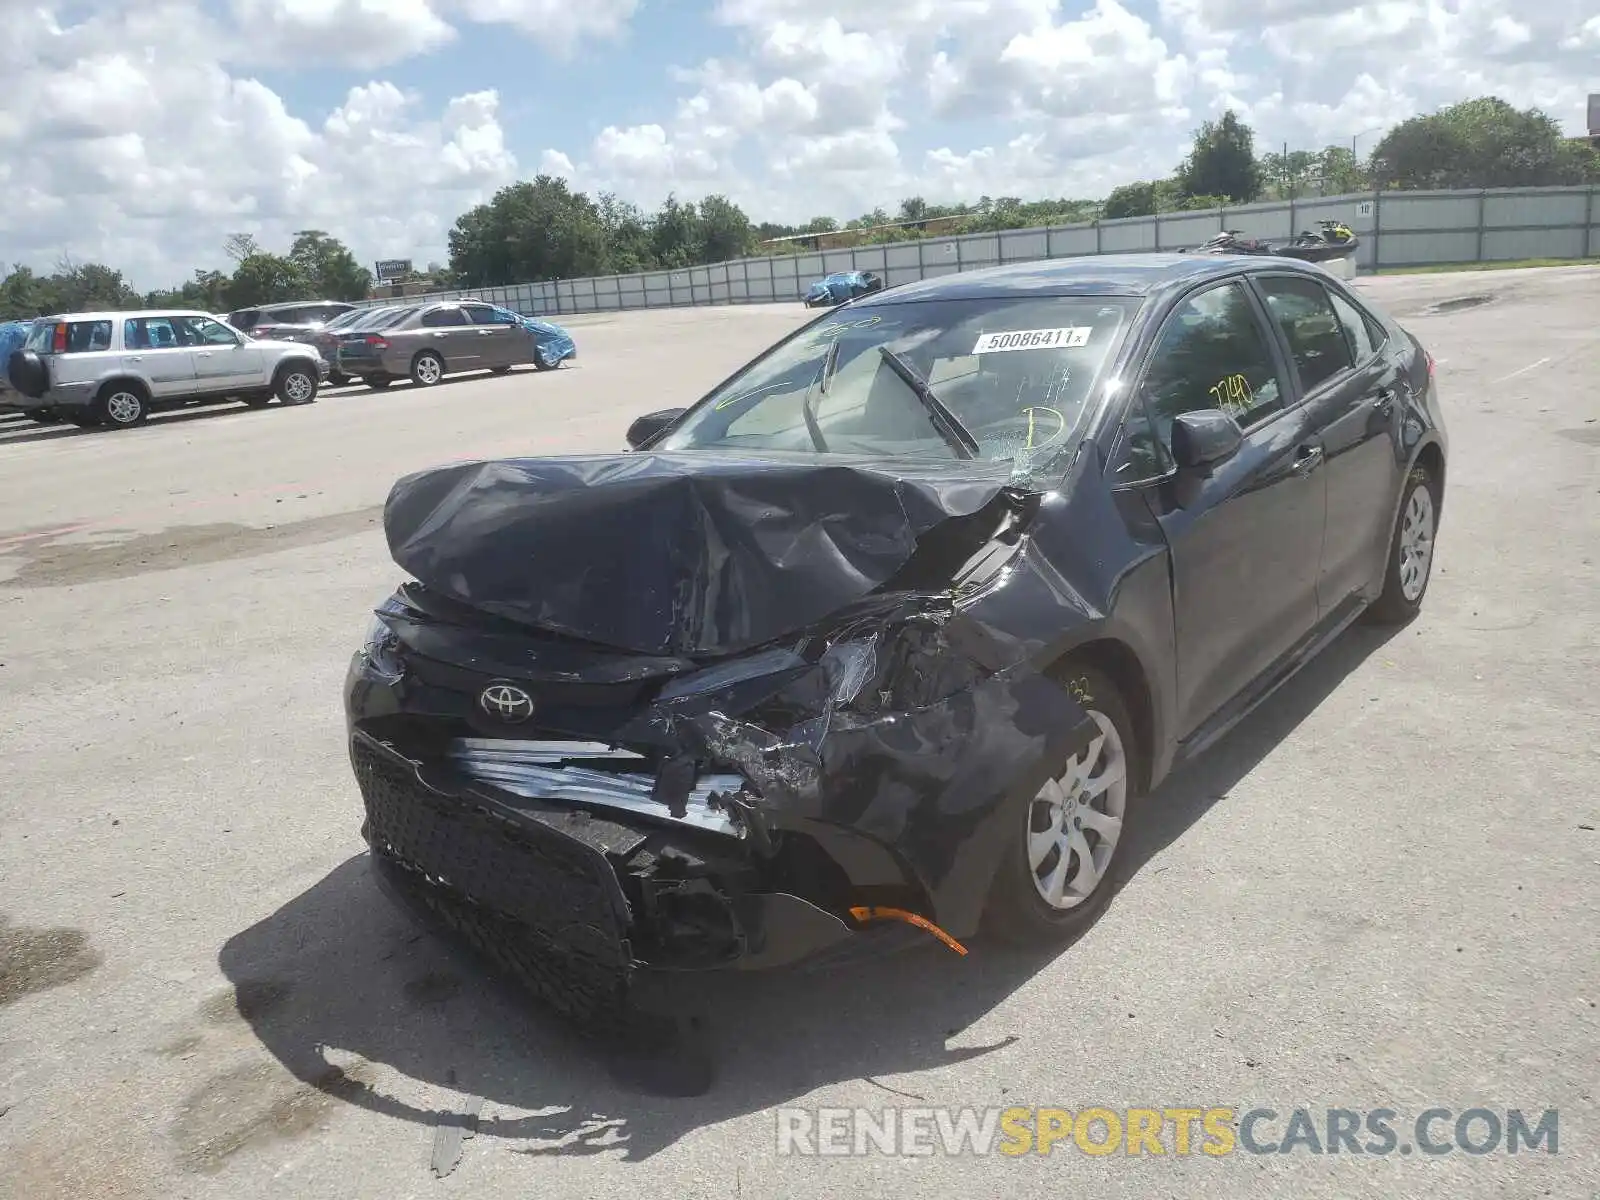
1383, 890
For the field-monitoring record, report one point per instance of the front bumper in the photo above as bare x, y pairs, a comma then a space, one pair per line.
538, 889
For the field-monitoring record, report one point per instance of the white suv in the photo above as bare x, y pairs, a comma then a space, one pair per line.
115, 368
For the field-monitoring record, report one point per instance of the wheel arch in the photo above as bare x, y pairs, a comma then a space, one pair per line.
1121, 664
1431, 456
294, 360
122, 379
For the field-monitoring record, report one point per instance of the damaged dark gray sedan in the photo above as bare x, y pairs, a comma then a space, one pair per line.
888, 636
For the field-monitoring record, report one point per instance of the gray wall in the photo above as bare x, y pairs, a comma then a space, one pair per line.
1397, 229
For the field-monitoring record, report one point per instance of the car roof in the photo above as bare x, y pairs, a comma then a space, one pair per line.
282, 304
1089, 275
130, 314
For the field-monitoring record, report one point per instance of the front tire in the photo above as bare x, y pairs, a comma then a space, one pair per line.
1410, 558
427, 369
295, 383
335, 379
540, 364
121, 406
377, 382
1069, 849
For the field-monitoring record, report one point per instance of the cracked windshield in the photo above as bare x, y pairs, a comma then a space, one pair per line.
1003, 380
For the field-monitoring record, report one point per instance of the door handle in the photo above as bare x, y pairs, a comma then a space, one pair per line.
1307, 459
1383, 402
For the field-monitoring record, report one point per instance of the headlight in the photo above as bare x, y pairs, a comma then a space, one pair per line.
380, 646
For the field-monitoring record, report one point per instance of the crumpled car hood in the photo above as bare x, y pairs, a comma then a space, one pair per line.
677, 553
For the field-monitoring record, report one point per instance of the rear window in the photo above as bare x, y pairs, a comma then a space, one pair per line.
244, 318
69, 337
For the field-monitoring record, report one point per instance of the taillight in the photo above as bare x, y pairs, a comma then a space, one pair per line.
377, 343
59, 342
1429, 357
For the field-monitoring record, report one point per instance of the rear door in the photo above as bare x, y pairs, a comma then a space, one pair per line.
445, 330
154, 349
1351, 387
1245, 536
499, 340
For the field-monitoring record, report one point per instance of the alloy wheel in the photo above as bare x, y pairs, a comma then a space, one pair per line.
298, 387
1416, 543
124, 408
1075, 822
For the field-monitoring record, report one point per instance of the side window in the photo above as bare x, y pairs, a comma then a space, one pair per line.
1316, 339
203, 331
1356, 330
149, 333
1211, 353
483, 314
329, 312
85, 337
442, 317
506, 317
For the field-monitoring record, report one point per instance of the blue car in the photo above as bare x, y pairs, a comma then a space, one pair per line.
841, 286
12, 335
552, 345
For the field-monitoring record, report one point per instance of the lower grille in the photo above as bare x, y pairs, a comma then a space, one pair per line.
543, 906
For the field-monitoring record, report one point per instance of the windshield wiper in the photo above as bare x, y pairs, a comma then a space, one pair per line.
952, 430
821, 384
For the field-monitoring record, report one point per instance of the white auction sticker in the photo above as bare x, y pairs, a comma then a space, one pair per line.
1033, 339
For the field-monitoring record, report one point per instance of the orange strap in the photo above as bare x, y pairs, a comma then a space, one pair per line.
865, 913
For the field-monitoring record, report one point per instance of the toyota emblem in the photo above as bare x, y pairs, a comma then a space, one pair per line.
506, 702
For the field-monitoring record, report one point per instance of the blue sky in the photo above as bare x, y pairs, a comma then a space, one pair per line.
143, 133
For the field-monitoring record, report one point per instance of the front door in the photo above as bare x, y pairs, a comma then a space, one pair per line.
1350, 380
500, 342
222, 363
1245, 535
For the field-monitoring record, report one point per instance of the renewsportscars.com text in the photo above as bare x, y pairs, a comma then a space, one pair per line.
1212, 1132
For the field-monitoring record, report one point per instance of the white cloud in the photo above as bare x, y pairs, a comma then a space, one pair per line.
146, 151
363, 34
146, 154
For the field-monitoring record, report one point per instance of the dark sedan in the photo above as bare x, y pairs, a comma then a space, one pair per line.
890, 635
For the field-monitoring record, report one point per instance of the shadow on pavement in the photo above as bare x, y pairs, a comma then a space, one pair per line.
340, 969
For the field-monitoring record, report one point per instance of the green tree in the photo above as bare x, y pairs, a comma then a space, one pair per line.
538, 229
1222, 162
627, 235
328, 267
675, 234
1130, 200
263, 278
724, 230
1481, 143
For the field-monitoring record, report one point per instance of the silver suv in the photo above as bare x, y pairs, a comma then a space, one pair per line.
115, 368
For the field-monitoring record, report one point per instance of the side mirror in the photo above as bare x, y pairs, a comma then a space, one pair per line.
1204, 438
646, 427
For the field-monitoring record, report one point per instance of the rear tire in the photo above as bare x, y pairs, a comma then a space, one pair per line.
43, 416
376, 382
1410, 558
121, 406
427, 369
499, 370
1082, 817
